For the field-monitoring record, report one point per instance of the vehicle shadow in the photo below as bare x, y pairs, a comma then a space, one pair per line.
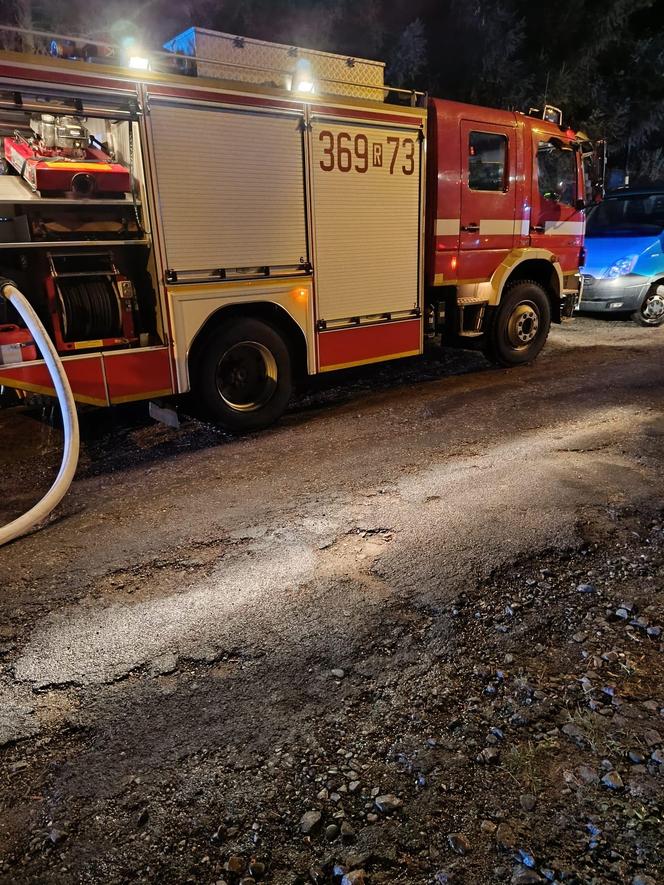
123, 436
622, 317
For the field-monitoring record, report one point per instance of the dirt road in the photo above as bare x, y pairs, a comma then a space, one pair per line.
351, 648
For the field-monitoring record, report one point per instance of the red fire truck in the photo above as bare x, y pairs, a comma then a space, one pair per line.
240, 214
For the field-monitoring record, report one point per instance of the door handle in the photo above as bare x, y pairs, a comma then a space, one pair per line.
470, 228
537, 228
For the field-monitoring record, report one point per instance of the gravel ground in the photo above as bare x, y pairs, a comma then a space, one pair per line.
412, 634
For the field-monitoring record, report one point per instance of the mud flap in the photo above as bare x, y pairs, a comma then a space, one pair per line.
570, 302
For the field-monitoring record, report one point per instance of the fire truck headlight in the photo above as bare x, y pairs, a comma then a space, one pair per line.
139, 62
303, 78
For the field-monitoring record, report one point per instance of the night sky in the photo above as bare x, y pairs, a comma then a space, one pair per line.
602, 61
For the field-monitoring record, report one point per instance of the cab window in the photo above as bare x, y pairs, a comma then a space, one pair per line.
487, 161
556, 172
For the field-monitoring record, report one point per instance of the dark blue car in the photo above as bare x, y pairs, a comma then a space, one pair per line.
624, 269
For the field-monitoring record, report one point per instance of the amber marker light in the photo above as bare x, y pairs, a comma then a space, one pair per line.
300, 295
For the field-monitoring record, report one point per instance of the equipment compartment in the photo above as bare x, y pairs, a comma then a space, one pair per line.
73, 234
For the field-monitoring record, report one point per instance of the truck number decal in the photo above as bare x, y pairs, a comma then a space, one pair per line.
409, 144
329, 150
362, 152
347, 152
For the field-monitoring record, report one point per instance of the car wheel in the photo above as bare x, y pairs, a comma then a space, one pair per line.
244, 376
520, 325
651, 312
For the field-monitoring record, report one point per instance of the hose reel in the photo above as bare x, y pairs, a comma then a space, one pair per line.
89, 309
90, 303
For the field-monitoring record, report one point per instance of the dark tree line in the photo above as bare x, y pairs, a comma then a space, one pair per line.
601, 61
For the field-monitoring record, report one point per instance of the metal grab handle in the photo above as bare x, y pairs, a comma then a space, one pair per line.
470, 228
537, 228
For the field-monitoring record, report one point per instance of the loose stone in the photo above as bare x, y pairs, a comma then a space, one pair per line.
235, 864
523, 876
387, 803
331, 832
613, 781
459, 843
310, 821
354, 877
527, 801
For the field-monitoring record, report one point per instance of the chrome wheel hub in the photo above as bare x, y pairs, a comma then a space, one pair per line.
523, 325
653, 306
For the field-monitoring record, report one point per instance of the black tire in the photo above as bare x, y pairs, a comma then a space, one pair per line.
520, 325
244, 376
651, 311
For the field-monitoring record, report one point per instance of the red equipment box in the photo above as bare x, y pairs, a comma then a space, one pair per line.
94, 173
16, 345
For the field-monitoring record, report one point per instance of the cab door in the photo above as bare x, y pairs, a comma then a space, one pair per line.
557, 221
488, 197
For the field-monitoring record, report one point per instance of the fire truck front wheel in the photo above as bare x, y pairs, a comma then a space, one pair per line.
520, 325
244, 376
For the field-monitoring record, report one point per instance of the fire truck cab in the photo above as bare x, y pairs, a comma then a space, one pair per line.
505, 227
247, 213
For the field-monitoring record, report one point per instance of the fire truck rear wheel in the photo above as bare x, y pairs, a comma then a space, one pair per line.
244, 376
520, 325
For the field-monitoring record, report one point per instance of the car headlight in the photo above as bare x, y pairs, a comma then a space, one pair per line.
621, 267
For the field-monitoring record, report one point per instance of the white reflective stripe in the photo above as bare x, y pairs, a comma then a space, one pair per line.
506, 227
565, 228
500, 227
447, 227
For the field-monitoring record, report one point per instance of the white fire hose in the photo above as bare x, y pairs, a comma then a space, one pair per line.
69, 418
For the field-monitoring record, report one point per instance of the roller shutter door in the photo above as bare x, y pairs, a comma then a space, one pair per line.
366, 199
230, 187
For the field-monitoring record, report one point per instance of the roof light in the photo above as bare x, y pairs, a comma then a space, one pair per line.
303, 78
139, 62
553, 114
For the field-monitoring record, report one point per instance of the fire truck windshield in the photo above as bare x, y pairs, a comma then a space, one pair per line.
556, 171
